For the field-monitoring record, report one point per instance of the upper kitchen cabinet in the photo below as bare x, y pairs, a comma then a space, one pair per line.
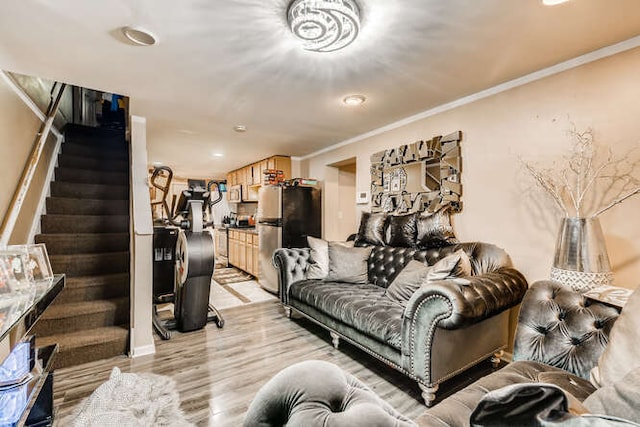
249, 178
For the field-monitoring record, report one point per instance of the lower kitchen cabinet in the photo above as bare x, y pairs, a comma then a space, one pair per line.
243, 250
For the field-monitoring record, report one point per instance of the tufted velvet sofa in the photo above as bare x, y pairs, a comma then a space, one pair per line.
560, 337
446, 327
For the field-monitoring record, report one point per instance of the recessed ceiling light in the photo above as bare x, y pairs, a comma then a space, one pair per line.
158, 164
240, 128
353, 100
139, 36
218, 155
553, 2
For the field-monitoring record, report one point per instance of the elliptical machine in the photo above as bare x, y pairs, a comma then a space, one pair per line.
194, 256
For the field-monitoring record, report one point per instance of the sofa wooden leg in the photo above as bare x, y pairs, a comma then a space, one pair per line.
287, 312
496, 358
428, 393
335, 339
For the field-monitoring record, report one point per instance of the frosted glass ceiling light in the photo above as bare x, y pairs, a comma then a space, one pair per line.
324, 25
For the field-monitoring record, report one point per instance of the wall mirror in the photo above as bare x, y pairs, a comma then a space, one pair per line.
423, 176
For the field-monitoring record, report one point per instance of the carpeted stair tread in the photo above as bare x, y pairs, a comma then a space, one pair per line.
80, 162
77, 243
63, 311
87, 150
90, 264
88, 345
89, 191
77, 316
83, 338
91, 288
89, 175
74, 206
57, 224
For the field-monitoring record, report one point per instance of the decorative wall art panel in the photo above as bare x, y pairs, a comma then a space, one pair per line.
423, 176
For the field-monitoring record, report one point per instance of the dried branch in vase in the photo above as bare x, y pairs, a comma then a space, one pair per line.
589, 180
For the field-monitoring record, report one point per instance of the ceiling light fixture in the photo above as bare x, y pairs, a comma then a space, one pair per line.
240, 128
354, 100
553, 2
139, 36
324, 25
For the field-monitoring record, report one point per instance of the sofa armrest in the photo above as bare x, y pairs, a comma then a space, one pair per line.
471, 299
292, 267
455, 303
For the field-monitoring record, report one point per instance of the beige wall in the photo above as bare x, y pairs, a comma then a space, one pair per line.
346, 198
29, 211
529, 121
18, 128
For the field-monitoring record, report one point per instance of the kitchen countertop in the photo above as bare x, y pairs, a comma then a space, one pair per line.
249, 230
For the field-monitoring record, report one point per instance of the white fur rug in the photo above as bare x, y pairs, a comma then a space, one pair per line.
131, 400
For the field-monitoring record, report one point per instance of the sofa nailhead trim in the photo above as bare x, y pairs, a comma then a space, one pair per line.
431, 333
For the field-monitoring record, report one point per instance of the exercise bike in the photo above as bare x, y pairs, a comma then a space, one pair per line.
191, 246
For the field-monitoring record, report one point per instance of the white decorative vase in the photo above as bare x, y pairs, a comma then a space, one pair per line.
581, 260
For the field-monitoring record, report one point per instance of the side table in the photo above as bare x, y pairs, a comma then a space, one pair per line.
29, 401
610, 295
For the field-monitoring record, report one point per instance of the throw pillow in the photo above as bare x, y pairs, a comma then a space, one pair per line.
622, 353
407, 282
434, 229
621, 399
318, 259
371, 229
524, 404
401, 230
455, 265
348, 265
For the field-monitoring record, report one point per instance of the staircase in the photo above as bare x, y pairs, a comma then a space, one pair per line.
86, 231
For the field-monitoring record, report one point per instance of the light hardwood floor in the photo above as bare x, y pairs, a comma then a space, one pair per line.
218, 371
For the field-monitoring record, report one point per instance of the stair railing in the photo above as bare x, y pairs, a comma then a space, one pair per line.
9, 221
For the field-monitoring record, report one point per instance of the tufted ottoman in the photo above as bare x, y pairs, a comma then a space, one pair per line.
316, 393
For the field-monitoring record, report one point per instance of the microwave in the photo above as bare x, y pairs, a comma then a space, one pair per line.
234, 194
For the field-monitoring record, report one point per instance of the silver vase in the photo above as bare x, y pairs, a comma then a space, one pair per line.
581, 260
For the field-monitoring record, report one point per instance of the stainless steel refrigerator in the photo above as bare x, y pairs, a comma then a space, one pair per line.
286, 216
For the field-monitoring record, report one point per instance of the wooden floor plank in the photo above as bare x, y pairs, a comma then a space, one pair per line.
218, 371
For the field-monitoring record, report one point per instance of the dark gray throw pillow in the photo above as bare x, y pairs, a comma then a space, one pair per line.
412, 276
434, 229
401, 230
348, 265
372, 229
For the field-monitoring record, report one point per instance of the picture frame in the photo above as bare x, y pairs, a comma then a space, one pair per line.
16, 259
7, 279
39, 262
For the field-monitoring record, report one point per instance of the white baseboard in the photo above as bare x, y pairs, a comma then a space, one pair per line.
144, 350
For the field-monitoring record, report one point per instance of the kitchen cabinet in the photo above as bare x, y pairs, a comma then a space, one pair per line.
243, 250
254, 256
250, 177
